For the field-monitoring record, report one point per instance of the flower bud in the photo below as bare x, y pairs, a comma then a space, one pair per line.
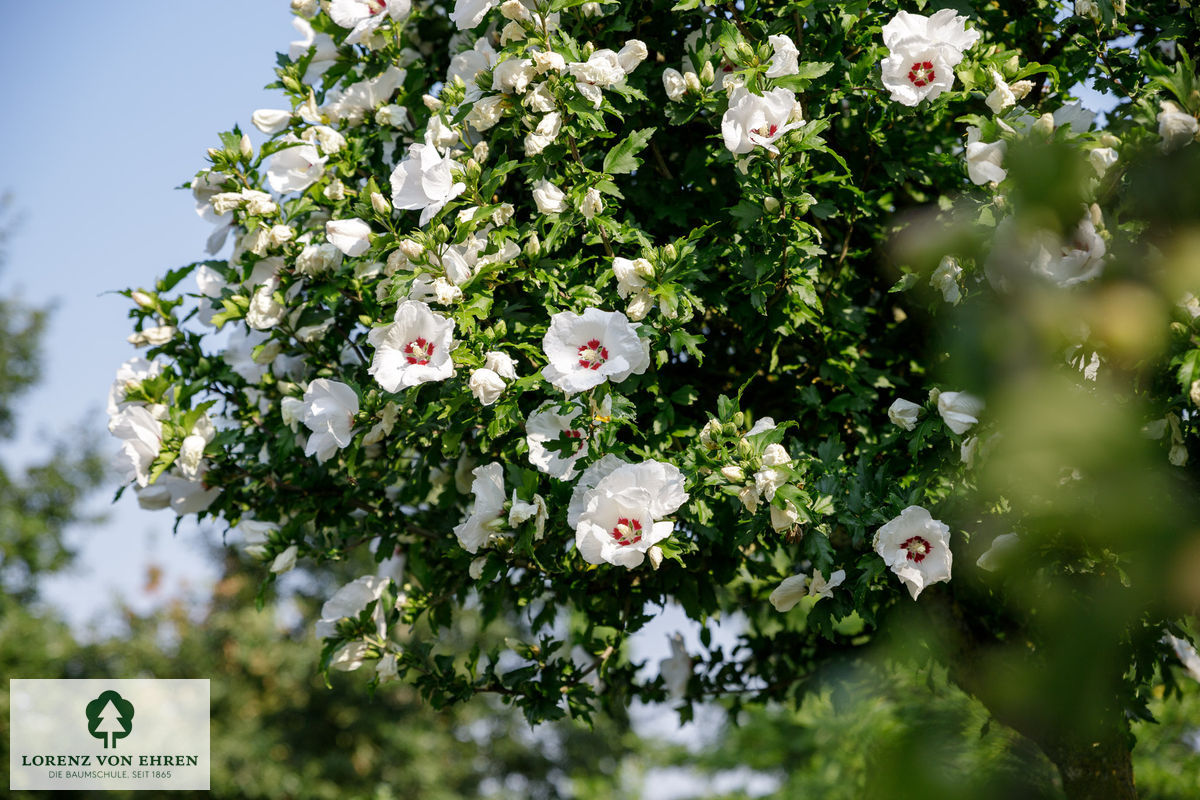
1194, 393
533, 247
770, 204
305, 8
142, 299
1045, 124
691, 82
733, 473
655, 554
380, 204
707, 74
514, 10
670, 253
431, 102
412, 251
246, 148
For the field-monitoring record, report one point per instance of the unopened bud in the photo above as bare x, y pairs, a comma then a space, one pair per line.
213, 152
431, 102
412, 250
1195, 393
380, 204
734, 473
707, 74
770, 204
670, 253
655, 554
533, 246
691, 82
142, 299
246, 148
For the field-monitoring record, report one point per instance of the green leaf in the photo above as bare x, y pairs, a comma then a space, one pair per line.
620, 159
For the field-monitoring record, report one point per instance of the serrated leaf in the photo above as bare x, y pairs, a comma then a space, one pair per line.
620, 159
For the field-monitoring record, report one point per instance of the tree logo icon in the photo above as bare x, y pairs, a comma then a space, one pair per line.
110, 717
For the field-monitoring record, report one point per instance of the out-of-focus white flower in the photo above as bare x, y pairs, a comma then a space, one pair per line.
152, 337
820, 588
486, 385
285, 561
549, 198
959, 410
350, 601
129, 375
621, 516
789, 592
1087, 8
784, 56
271, 120
903, 413
945, 279
1002, 96
757, 120
1101, 159
323, 48
141, 439
351, 236
917, 549
996, 554
296, 168
1186, 654
922, 54
783, 519
585, 350
1176, 127
364, 16
520, 512
413, 348
676, 670
469, 13
1077, 260
488, 512
424, 181
329, 409
317, 258
984, 158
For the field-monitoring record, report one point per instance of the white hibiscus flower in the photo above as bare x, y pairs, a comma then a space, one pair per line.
413, 348
364, 16
922, 54
488, 513
757, 120
329, 409
587, 349
917, 548
547, 424
622, 516
424, 181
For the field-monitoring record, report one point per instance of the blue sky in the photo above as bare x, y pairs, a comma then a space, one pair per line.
108, 107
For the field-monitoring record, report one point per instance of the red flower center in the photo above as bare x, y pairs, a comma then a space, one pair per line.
921, 73
767, 132
418, 351
627, 531
917, 548
376, 6
592, 354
